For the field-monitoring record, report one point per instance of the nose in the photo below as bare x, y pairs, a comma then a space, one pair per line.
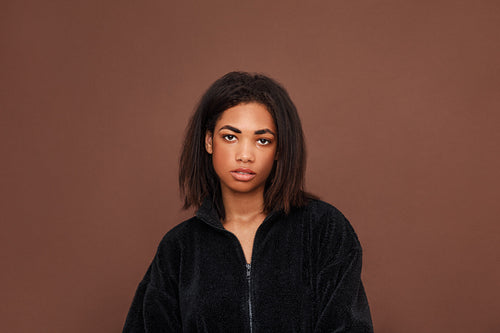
245, 152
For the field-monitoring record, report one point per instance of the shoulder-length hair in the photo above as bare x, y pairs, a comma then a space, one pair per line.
285, 185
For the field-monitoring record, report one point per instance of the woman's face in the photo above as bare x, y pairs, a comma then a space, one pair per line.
243, 148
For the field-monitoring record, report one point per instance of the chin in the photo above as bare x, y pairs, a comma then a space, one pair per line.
243, 188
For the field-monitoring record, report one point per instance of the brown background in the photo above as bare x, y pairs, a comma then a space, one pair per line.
400, 105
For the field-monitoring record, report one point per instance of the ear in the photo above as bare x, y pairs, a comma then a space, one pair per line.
208, 142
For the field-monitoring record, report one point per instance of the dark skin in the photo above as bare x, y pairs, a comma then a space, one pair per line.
243, 148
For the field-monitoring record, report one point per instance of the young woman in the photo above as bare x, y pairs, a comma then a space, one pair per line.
261, 255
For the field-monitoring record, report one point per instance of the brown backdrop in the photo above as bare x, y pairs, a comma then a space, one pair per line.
400, 105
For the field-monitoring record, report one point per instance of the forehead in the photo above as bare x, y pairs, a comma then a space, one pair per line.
251, 116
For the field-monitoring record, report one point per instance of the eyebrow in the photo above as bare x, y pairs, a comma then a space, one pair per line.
266, 130
234, 129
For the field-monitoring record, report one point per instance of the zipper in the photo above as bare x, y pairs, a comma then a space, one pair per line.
249, 267
208, 220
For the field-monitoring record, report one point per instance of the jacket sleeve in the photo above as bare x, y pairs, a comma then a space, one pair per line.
155, 307
342, 303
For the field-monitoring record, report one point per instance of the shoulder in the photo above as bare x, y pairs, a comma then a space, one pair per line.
320, 208
322, 214
329, 228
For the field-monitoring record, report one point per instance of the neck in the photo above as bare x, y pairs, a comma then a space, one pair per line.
243, 207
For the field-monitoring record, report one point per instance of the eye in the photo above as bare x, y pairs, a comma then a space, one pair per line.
229, 137
263, 141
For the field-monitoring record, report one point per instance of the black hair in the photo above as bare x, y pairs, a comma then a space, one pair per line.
285, 185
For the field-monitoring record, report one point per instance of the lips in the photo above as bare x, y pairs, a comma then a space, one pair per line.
243, 174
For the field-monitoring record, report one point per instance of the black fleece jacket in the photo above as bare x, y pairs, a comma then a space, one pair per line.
304, 277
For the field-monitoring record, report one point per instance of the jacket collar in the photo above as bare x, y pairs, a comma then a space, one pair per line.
208, 214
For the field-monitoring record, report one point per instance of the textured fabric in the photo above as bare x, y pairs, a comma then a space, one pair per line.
304, 277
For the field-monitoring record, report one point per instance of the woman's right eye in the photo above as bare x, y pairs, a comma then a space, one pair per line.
229, 137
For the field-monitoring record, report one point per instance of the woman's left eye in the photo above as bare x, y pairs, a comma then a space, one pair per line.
264, 141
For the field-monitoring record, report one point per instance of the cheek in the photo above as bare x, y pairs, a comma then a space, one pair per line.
221, 159
269, 160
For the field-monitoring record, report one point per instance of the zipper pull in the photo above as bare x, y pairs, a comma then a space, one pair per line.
249, 266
